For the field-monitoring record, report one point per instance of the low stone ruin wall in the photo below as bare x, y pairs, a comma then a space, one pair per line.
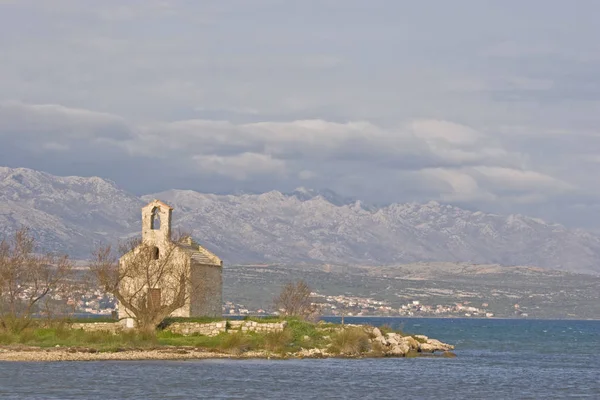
112, 327
191, 328
253, 326
215, 328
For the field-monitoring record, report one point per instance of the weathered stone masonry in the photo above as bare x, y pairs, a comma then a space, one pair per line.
215, 328
194, 328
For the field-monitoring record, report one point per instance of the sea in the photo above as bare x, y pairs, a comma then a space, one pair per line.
496, 359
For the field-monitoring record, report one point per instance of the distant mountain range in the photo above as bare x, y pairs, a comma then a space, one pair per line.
75, 214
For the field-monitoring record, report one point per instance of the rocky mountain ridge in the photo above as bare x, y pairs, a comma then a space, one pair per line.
74, 214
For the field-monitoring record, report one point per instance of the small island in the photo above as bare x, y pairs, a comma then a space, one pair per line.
181, 338
169, 292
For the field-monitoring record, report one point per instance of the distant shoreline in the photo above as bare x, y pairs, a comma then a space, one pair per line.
171, 354
66, 354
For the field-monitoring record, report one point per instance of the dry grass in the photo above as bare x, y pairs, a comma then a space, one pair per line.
350, 341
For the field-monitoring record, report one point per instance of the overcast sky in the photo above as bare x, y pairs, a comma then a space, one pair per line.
491, 105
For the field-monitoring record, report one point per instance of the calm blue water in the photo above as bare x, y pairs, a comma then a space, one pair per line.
497, 359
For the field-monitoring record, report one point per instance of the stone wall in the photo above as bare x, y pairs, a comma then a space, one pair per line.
112, 327
206, 299
191, 328
253, 326
215, 328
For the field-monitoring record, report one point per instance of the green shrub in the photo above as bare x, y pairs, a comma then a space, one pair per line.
350, 341
301, 328
305, 334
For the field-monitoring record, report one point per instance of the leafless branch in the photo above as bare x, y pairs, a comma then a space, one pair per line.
295, 300
27, 280
139, 272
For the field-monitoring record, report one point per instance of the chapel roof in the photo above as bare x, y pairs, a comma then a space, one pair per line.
198, 253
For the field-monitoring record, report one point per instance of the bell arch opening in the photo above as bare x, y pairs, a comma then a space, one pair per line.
155, 219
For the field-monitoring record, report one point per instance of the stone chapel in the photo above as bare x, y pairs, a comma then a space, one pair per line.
205, 282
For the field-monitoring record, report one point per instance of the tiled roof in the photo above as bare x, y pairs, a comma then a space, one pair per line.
199, 254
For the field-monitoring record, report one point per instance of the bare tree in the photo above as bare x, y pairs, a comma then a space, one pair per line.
295, 300
149, 285
29, 281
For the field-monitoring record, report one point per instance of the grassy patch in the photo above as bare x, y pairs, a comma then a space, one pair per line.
304, 334
167, 338
65, 337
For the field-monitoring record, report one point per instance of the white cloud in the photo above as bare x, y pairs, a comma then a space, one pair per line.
462, 187
240, 166
434, 131
525, 181
38, 117
451, 162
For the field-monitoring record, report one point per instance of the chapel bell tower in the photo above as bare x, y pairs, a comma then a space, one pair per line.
156, 222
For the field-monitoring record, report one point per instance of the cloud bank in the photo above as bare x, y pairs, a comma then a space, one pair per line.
416, 161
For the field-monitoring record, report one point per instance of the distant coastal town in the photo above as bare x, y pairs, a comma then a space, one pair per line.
98, 303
